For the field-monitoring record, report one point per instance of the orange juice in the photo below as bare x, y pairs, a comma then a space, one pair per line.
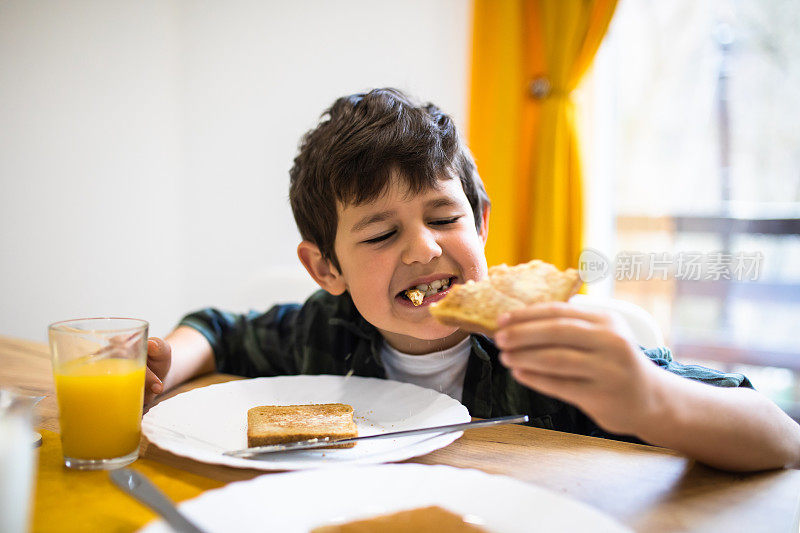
100, 404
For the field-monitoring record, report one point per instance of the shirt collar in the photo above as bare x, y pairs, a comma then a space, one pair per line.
477, 395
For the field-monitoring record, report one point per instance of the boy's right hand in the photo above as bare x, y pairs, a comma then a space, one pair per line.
159, 358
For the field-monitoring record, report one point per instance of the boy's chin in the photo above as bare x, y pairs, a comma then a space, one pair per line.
430, 330
434, 332
421, 340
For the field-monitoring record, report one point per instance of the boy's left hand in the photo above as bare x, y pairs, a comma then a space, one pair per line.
583, 358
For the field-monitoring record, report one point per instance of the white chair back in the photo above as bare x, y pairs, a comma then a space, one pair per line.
643, 327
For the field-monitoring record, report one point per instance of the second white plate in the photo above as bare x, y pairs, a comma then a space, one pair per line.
202, 423
296, 502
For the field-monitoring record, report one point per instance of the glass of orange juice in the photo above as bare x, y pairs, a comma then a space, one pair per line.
99, 367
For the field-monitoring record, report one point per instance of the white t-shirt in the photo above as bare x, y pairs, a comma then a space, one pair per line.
441, 371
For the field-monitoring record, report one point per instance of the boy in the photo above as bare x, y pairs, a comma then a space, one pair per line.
386, 198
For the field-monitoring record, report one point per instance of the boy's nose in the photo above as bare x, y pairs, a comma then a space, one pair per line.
421, 248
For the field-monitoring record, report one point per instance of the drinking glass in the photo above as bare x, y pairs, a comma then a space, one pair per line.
99, 369
17, 460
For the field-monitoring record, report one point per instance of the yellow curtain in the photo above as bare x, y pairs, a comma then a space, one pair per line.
528, 57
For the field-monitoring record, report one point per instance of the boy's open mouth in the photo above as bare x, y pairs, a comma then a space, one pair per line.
429, 292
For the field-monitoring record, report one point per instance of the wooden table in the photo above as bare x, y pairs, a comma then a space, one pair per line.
647, 488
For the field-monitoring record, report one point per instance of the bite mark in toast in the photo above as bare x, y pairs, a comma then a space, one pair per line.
475, 306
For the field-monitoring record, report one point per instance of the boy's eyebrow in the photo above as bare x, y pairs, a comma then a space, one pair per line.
443, 201
372, 219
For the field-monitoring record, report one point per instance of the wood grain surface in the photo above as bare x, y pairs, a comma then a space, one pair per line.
647, 488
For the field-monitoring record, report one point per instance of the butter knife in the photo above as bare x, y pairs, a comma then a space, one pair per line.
138, 486
326, 442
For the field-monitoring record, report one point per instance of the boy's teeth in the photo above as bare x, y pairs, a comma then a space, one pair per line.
434, 286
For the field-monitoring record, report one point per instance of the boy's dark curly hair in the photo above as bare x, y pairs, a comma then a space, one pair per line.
349, 157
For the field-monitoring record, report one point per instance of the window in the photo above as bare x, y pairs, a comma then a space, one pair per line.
695, 109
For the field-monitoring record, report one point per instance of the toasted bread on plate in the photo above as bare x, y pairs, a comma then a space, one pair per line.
279, 424
433, 519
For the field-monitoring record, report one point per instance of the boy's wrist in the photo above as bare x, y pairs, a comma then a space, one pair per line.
658, 408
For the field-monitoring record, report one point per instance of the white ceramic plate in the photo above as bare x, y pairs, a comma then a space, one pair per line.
300, 501
204, 422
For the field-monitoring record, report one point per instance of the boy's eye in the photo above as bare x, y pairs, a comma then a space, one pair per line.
379, 238
385, 236
445, 221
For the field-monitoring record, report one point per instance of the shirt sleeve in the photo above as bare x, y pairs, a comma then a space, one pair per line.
662, 356
251, 344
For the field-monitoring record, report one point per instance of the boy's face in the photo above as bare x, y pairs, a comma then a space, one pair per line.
403, 240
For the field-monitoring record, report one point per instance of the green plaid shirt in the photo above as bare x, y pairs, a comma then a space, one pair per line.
327, 335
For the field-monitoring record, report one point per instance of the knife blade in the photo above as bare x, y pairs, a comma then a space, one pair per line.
326, 442
137, 485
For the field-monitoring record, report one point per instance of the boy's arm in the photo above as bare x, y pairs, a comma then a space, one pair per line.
581, 358
728, 428
179, 357
191, 356
250, 344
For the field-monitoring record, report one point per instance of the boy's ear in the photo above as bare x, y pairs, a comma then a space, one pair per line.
323, 272
484, 233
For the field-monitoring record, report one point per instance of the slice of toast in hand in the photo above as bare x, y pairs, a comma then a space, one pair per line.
475, 306
279, 424
535, 282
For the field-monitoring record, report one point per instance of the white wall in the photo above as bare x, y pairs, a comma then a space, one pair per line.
145, 145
